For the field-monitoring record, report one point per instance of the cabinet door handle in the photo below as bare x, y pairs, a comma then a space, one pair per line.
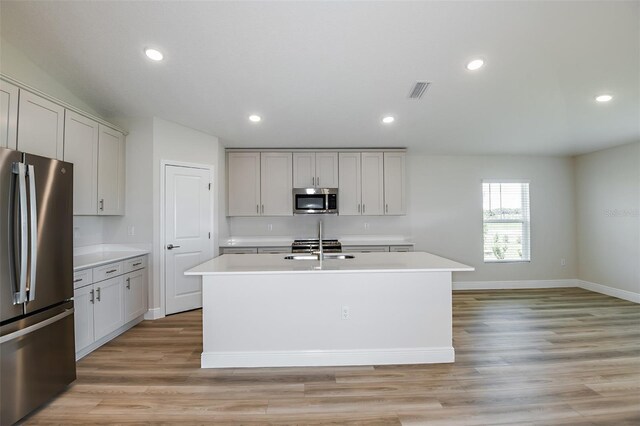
317, 181
313, 181
262, 209
98, 294
137, 264
386, 208
129, 283
92, 299
111, 271
362, 208
77, 280
358, 208
101, 204
257, 208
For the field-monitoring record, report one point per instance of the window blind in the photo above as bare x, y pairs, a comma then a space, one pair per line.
506, 220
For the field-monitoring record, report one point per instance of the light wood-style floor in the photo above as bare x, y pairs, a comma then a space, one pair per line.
552, 356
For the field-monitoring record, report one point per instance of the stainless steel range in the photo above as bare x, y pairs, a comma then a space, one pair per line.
313, 245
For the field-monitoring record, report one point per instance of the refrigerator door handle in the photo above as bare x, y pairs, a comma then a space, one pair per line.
21, 295
33, 206
34, 327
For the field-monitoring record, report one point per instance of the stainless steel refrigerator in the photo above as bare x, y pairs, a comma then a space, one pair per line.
37, 349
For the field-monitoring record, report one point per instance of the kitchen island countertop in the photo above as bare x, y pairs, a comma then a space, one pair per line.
362, 262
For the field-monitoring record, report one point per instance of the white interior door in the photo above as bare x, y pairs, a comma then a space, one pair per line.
187, 234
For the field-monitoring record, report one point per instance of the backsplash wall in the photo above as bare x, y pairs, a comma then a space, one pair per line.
306, 226
88, 230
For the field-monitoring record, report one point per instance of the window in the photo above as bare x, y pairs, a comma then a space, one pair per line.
506, 221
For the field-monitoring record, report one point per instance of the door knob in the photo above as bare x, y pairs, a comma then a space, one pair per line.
171, 247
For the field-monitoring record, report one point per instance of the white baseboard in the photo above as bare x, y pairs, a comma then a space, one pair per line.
609, 291
327, 358
154, 314
500, 285
570, 282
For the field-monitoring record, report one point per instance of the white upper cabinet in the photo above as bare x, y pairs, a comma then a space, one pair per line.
40, 127
304, 169
315, 169
369, 183
372, 183
111, 171
394, 183
81, 149
276, 184
350, 189
243, 189
8, 115
326, 169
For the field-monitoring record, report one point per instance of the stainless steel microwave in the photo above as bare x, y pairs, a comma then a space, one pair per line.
315, 201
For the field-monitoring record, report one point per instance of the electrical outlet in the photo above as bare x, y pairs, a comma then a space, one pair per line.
131, 230
366, 225
270, 227
563, 262
345, 312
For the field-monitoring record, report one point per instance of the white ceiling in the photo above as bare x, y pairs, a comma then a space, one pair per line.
322, 74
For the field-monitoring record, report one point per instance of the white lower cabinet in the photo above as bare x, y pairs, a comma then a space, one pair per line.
110, 305
108, 314
135, 294
83, 302
274, 250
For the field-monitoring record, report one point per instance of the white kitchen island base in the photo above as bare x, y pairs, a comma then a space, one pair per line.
340, 312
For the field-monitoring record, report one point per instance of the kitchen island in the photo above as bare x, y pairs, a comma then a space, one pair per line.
262, 310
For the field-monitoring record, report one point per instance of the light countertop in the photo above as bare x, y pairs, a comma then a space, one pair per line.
92, 256
347, 240
363, 262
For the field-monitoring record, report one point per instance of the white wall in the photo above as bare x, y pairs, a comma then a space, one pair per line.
16, 65
174, 142
139, 187
446, 213
608, 217
444, 196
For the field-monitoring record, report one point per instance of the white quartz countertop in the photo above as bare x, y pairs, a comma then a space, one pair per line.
351, 240
362, 262
90, 257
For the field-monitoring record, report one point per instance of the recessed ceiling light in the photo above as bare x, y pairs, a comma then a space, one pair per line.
255, 118
475, 64
604, 98
388, 119
153, 54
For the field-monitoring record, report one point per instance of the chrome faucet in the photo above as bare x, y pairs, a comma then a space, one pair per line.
321, 253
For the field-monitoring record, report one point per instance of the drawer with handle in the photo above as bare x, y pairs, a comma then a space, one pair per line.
135, 264
107, 271
82, 278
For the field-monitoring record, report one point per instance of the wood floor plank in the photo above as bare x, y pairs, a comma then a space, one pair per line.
562, 356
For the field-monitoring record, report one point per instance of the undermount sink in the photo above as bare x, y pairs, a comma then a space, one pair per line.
327, 256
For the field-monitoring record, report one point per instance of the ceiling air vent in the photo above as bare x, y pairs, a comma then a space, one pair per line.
418, 89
